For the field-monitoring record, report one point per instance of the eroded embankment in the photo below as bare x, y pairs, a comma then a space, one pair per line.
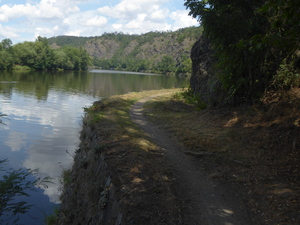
90, 197
118, 176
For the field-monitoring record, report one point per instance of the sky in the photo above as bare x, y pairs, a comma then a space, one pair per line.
25, 20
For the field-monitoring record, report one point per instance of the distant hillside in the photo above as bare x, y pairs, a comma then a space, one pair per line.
154, 51
73, 41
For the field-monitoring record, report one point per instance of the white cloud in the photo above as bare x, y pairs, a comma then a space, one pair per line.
129, 9
44, 32
182, 19
8, 13
44, 10
117, 26
140, 16
89, 17
97, 21
67, 21
159, 14
16, 140
7, 32
47, 10
74, 33
136, 23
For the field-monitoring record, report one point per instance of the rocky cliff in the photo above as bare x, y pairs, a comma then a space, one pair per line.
152, 50
204, 80
123, 51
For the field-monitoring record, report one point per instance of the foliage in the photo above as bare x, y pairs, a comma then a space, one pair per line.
141, 52
192, 98
72, 54
44, 54
77, 59
251, 39
39, 55
166, 64
6, 43
128, 64
286, 77
185, 65
14, 184
6, 58
72, 41
66, 177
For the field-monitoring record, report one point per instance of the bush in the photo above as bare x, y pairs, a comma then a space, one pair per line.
286, 77
195, 99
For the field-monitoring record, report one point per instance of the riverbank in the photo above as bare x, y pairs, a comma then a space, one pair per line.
121, 177
118, 174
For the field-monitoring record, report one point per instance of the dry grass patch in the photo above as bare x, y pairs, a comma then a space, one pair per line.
258, 147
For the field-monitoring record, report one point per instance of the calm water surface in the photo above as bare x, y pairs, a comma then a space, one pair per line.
42, 125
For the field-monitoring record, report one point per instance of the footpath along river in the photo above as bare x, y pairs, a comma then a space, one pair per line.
44, 111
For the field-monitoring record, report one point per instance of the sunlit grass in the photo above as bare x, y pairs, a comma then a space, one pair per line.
112, 116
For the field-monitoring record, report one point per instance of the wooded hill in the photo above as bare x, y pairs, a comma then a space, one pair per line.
154, 51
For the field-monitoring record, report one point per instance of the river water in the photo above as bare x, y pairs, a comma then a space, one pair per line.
42, 123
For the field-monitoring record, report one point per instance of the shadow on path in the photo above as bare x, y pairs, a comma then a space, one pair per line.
202, 200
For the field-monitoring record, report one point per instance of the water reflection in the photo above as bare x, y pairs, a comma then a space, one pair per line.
45, 130
44, 112
15, 140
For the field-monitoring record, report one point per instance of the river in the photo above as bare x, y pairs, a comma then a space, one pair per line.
43, 119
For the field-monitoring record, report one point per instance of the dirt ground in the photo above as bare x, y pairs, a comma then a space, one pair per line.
250, 153
167, 163
203, 201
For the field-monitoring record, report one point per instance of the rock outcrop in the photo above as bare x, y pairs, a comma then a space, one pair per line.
204, 80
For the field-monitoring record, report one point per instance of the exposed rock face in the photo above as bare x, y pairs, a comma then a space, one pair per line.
91, 197
204, 80
152, 50
102, 48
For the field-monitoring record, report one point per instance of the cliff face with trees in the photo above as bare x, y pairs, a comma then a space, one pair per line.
154, 51
255, 45
158, 52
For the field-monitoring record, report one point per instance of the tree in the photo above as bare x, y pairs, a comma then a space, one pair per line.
185, 65
6, 43
243, 37
6, 57
61, 60
39, 55
86, 60
6, 60
44, 54
25, 53
166, 64
74, 56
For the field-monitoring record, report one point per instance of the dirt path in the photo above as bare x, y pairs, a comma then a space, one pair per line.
203, 200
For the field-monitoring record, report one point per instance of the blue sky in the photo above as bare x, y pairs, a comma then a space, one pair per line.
25, 20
